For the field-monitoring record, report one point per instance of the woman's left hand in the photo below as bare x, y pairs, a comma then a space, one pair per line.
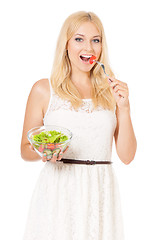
121, 93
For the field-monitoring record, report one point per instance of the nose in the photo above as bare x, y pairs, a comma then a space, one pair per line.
88, 46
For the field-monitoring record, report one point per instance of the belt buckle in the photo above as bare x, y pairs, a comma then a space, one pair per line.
90, 162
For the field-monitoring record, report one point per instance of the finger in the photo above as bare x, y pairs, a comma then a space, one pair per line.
62, 152
116, 81
60, 155
116, 88
111, 79
44, 157
119, 93
122, 94
54, 157
116, 84
112, 83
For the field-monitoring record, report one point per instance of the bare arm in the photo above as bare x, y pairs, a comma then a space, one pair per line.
38, 100
33, 117
125, 139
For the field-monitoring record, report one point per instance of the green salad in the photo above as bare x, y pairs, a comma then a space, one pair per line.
50, 137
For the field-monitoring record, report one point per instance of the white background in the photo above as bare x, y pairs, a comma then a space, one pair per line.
29, 31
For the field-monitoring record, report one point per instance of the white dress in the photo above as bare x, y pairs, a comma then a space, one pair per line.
77, 201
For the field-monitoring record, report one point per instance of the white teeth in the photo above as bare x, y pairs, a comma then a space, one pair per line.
86, 56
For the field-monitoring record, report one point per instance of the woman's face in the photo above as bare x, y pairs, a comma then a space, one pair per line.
85, 42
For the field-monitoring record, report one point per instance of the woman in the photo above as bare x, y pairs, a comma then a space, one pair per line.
79, 199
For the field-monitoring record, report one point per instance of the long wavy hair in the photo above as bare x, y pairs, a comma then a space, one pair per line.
61, 70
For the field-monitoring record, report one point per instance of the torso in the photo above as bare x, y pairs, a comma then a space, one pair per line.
46, 96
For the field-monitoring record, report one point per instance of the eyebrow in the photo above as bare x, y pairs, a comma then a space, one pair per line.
83, 35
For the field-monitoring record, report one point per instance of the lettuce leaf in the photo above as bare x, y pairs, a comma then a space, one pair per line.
50, 137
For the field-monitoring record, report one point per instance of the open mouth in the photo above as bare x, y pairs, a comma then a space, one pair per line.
85, 58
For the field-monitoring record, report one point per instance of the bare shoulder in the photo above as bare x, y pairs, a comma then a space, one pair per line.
41, 86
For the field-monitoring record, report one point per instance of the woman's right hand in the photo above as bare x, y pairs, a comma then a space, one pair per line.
55, 157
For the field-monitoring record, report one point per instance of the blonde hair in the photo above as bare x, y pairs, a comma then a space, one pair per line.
61, 70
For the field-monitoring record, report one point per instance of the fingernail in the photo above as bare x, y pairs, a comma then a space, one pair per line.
109, 80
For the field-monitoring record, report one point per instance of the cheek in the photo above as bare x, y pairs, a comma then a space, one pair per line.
73, 47
98, 50
73, 52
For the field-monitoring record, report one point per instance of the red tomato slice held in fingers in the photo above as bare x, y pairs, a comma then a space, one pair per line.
91, 60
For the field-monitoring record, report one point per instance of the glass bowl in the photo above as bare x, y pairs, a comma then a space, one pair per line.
48, 147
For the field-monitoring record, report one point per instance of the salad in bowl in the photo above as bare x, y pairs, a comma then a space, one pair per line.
49, 139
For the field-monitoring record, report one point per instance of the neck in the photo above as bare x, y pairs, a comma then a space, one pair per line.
80, 78
82, 81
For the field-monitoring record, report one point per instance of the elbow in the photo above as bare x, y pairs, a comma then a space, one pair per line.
28, 153
23, 152
25, 157
22, 155
127, 161
130, 157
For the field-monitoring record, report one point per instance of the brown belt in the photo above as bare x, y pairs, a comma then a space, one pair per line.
89, 162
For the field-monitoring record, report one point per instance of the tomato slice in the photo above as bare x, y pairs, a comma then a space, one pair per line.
51, 146
41, 148
91, 60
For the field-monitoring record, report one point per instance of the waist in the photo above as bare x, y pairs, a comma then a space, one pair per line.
88, 162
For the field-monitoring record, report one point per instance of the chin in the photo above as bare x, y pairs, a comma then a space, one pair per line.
86, 69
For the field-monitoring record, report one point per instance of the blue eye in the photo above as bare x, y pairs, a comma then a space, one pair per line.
81, 39
78, 39
96, 40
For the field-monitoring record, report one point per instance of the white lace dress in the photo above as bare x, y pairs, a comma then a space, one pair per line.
76, 201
